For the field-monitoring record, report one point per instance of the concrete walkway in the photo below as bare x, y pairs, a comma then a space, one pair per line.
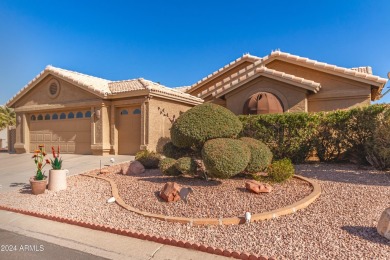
16, 169
93, 242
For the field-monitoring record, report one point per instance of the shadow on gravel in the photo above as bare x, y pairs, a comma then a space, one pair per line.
347, 173
18, 184
367, 233
26, 189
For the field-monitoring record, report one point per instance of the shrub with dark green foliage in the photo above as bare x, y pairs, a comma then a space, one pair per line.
261, 155
167, 167
378, 147
335, 135
149, 160
282, 170
172, 151
224, 157
204, 122
186, 165
288, 135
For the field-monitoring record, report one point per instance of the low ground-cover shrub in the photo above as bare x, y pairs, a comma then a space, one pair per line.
225, 157
149, 160
261, 155
280, 171
167, 167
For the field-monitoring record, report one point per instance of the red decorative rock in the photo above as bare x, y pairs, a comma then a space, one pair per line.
170, 192
258, 187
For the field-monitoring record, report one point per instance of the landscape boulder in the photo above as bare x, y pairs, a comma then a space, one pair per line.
258, 187
134, 167
383, 227
170, 192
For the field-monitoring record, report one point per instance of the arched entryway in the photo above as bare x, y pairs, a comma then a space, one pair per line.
262, 103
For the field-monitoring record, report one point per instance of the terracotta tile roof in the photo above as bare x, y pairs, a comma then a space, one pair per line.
253, 71
141, 84
91, 82
245, 57
358, 75
182, 88
103, 87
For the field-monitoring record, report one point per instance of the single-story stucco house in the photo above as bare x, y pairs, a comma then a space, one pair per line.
89, 115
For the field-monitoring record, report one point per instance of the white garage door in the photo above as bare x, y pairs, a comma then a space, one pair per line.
70, 130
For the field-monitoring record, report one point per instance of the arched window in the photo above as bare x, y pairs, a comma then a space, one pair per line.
54, 117
88, 114
262, 103
40, 117
47, 117
33, 118
124, 112
63, 116
71, 115
137, 111
79, 115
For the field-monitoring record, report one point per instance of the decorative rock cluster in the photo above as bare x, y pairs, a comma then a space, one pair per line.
135, 167
170, 192
258, 187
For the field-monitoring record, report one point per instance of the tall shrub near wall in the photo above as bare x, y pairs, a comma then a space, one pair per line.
335, 135
288, 135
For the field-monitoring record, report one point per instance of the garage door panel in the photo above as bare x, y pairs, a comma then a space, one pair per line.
129, 130
72, 135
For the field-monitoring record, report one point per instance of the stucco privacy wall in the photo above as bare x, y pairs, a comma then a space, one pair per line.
292, 98
159, 125
336, 92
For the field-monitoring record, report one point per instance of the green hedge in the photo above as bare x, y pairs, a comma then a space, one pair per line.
261, 155
335, 135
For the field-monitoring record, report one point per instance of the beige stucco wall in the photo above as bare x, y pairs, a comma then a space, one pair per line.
159, 125
219, 78
293, 98
335, 93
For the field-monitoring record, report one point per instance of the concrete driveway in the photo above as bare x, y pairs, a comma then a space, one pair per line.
16, 169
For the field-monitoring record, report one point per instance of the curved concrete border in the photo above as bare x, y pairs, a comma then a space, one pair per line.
301, 204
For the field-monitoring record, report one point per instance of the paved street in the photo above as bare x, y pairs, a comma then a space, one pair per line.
16, 246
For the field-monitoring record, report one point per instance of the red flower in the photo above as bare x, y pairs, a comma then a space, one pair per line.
58, 151
41, 145
47, 161
39, 165
53, 151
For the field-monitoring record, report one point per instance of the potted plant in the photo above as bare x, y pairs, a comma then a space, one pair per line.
57, 176
39, 181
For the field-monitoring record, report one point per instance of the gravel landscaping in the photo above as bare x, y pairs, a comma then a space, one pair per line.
211, 199
340, 224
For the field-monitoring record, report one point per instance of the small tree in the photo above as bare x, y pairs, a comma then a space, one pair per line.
7, 117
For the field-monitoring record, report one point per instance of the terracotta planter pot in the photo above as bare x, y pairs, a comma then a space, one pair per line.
57, 180
38, 187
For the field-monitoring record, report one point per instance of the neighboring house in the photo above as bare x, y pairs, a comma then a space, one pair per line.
3, 139
281, 82
88, 115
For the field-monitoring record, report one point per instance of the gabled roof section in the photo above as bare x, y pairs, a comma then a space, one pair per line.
361, 75
242, 59
105, 88
92, 84
253, 71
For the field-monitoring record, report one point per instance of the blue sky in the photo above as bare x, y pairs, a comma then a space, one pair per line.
177, 43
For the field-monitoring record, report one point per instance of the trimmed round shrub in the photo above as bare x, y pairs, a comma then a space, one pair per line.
149, 160
281, 170
224, 157
204, 122
172, 151
261, 155
167, 167
186, 165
